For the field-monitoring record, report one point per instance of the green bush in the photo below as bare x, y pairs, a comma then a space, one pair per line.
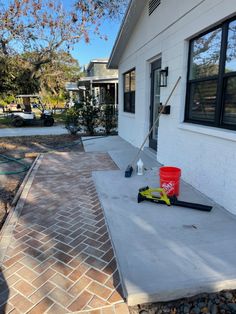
72, 121
89, 113
108, 118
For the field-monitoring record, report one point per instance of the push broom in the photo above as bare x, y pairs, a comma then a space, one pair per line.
129, 169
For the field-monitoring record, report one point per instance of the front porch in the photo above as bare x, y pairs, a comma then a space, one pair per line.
163, 253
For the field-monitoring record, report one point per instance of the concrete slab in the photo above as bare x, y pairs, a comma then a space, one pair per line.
165, 253
120, 151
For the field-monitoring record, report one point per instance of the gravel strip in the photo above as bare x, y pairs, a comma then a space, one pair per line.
223, 302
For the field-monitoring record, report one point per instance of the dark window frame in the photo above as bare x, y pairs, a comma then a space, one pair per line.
152, 5
221, 79
129, 97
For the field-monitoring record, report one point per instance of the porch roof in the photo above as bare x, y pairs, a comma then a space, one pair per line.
98, 79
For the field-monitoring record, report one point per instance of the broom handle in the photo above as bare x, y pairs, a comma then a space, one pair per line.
158, 117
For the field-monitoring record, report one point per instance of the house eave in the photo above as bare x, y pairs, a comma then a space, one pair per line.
130, 19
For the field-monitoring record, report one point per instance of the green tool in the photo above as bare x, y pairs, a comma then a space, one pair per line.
159, 196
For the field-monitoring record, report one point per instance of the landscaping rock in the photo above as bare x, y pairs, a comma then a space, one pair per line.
214, 309
223, 302
186, 309
228, 295
232, 307
196, 310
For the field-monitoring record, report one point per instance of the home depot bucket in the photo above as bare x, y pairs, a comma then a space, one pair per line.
170, 179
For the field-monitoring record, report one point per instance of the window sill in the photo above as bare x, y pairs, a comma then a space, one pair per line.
128, 114
229, 135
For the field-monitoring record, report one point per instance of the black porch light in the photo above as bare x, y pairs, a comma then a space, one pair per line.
163, 77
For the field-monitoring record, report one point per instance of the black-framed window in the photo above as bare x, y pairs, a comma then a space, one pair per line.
211, 82
152, 5
129, 91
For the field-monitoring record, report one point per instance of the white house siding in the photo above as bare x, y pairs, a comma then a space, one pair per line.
206, 155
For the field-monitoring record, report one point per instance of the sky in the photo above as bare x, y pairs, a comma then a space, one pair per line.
97, 48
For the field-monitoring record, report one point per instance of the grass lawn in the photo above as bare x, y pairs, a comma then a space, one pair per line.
59, 118
5, 122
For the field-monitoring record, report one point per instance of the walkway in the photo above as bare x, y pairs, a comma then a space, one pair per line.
58, 255
30, 131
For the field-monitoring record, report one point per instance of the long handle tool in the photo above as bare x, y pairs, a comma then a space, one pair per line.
129, 169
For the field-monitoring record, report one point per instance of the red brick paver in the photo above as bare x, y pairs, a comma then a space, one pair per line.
60, 258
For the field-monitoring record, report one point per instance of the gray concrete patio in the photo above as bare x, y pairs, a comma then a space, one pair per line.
163, 253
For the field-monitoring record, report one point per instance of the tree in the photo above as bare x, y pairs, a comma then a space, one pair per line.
45, 26
36, 34
61, 69
16, 76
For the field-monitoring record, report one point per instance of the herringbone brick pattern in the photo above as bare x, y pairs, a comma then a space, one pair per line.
60, 258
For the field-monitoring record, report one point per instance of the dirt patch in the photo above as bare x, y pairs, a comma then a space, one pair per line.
25, 149
39, 144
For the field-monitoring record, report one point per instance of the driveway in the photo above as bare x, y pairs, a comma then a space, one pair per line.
26, 131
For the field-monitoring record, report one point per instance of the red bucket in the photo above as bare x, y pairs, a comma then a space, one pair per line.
170, 179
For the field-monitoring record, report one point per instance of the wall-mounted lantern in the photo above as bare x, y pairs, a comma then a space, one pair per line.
163, 77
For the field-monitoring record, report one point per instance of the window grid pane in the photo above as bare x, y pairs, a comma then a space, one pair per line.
127, 82
132, 81
205, 55
203, 100
129, 92
230, 64
211, 86
229, 116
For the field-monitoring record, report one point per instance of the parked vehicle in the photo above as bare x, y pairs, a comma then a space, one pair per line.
30, 111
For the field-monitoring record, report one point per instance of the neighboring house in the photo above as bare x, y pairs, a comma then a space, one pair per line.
194, 39
101, 82
73, 90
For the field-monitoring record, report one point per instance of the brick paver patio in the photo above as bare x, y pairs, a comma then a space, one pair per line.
60, 258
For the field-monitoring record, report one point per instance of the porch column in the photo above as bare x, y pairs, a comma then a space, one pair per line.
91, 86
115, 94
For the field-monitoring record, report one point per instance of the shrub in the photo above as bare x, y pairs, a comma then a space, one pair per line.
89, 113
72, 121
108, 118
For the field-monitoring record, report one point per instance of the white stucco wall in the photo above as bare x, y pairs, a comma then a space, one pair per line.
206, 155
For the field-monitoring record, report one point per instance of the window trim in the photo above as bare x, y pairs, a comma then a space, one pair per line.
130, 93
152, 6
221, 79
